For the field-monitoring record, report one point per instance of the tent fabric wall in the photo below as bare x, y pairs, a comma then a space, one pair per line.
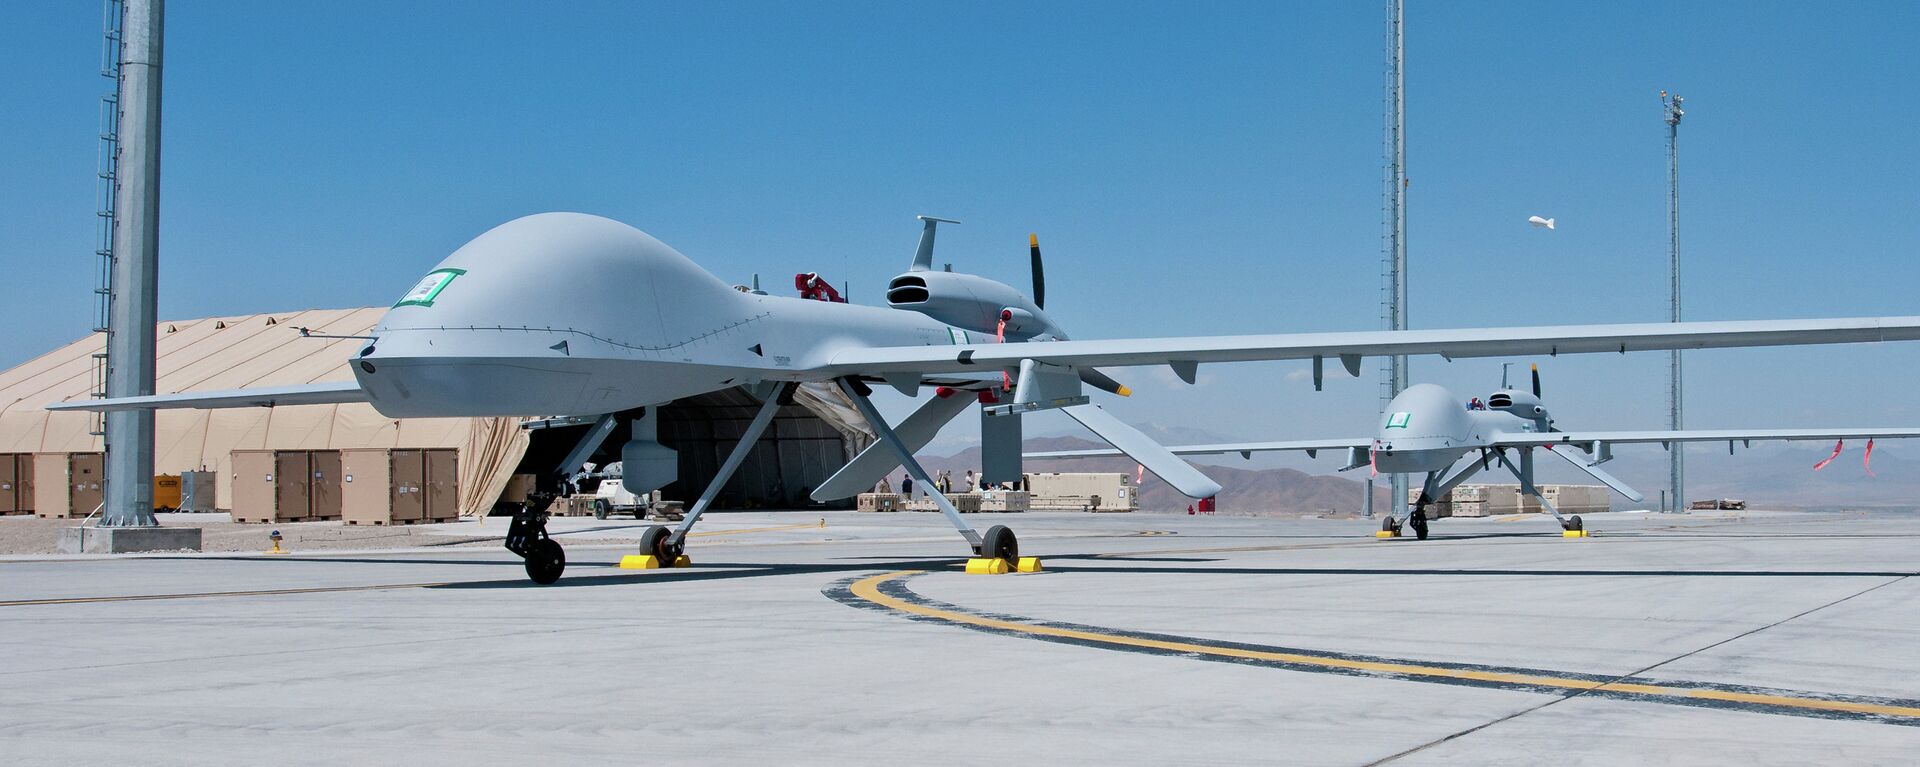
831, 405
249, 351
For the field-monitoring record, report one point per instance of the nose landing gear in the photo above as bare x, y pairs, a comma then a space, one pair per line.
527, 536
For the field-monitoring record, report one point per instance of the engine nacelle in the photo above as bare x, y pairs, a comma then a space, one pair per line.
971, 302
1518, 403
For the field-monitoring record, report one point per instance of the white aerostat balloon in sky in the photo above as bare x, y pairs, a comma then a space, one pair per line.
1540, 222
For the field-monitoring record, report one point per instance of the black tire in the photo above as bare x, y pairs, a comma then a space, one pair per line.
1419, 521
655, 541
1574, 523
601, 508
1387, 525
1000, 543
545, 561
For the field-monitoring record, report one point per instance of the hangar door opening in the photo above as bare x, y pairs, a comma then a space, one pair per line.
807, 442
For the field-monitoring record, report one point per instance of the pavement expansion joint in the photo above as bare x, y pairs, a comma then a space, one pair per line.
889, 592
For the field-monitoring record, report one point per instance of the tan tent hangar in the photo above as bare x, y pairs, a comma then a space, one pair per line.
246, 351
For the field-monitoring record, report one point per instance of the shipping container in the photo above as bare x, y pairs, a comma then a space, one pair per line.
285, 485
257, 494
1082, 491
1493, 500
9, 485
323, 487
23, 477
67, 485
382, 486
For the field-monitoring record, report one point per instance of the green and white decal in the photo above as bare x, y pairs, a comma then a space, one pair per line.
429, 288
1399, 420
958, 336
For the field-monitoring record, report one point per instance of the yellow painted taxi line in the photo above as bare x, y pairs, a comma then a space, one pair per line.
869, 589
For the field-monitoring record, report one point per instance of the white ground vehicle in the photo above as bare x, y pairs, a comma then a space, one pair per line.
612, 497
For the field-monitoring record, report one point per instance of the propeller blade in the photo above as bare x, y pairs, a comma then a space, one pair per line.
1536, 380
1104, 382
1039, 274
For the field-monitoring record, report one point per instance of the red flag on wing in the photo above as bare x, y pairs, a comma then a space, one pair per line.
1837, 447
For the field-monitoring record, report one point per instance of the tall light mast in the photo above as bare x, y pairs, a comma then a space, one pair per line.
1395, 298
1677, 459
134, 290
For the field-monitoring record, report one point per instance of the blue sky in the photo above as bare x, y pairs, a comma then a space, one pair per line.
1191, 169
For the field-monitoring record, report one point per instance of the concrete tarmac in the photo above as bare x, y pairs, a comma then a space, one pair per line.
1711, 638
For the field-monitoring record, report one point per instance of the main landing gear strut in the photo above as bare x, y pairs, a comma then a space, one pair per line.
998, 543
668, 547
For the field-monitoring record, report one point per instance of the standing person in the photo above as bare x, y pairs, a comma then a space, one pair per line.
973, 485
906, 487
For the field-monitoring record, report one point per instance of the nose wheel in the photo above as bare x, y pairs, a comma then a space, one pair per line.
527, 536
546, 560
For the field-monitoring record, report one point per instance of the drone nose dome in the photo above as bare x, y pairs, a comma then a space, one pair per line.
560, 271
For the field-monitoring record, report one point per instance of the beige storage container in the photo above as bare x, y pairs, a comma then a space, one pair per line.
23, 479
965, 503
67, 485
1005, 500
1468, 508
382, 486
1507, 499
272, 486
519, 486
323, 484
10, 485
443, 485
1082, 491
879, 502
1435, 510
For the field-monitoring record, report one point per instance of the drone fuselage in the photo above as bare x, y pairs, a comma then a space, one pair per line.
571, 314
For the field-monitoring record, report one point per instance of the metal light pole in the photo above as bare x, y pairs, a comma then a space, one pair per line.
1670, 108
1397, 213
135, 287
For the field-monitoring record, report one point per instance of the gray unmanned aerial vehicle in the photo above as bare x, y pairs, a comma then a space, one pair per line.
655, 327
1427, 430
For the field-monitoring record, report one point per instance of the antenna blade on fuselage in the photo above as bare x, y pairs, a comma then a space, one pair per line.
923, 257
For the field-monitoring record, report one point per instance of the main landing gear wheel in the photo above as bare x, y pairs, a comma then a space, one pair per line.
999, 543
1574, 523
1390, 525
1419, 521
545, 561
656, 541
